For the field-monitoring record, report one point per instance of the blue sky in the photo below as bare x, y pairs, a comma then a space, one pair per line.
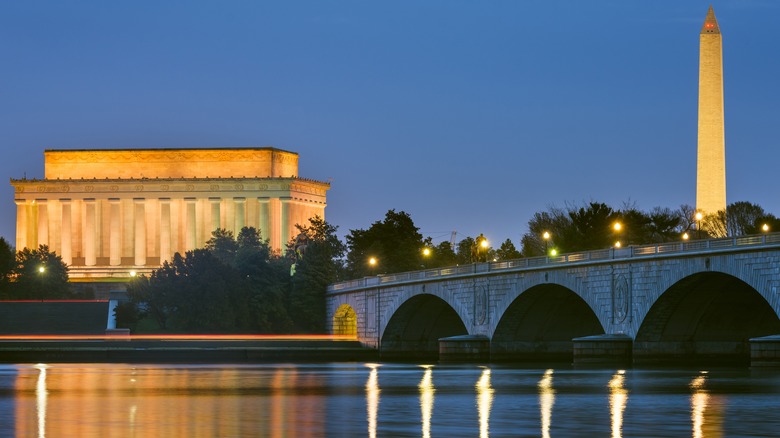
468, 115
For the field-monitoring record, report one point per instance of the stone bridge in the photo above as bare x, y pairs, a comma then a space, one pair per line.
694, 300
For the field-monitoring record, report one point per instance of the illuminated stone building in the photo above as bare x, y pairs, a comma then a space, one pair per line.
111, 212
711, 159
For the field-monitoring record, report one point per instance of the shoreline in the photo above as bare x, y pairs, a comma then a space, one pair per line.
118, 349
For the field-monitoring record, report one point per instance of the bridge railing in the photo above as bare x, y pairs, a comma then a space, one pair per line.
638, 251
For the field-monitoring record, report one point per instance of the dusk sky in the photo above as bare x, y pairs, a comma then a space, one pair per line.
468, 115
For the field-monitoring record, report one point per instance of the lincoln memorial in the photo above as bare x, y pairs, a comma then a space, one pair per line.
110, 213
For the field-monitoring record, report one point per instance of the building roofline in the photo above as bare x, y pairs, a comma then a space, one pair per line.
239, 148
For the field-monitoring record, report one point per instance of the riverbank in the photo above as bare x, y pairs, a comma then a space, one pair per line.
180, 349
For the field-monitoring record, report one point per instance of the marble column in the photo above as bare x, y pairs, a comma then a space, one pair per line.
215, 202
89, 232
21, 223
115, 235
286, 226
139, 218
43, 222
191, 230
264, 224
165, 229
66, 236
239, 214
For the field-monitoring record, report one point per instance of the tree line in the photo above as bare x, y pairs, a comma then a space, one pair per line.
239, 284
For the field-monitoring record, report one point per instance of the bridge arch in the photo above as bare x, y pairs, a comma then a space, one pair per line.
345, 321
541, 322
414, 329
704, 316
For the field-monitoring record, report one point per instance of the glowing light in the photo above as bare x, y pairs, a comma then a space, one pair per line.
546, 235
484, 402
618, 226
41, 395
133, 273
426, 400
618, 397
484, 243
41, 269
699, 216
765, 227
373, 261
426, 252
685, 236
699, 401
546, 401
553, 252
618, 244
372, 398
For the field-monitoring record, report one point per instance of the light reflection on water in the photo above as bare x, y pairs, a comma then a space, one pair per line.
426, 400
546, 401
315, 400
484, 402
618, 397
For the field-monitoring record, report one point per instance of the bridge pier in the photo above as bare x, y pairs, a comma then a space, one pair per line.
765, 351
603, 349
466, 348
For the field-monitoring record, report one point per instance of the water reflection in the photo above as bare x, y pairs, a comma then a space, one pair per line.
426, 400
546, 401
618, 397
372, 398
698, 403
315, 400
484, 402
41, 395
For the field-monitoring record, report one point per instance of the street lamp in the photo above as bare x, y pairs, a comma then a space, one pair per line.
372, 262
765, 228
482, 245
685, 236
546, 236
41, 271
618, 227
699, 217
426, 252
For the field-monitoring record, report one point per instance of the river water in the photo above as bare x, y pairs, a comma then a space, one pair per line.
384, 400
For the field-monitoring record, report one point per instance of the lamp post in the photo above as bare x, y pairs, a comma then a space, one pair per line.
685, 236
765, 228
41, 271
699, 216
481, 246
546, 236
426, 252
618, 227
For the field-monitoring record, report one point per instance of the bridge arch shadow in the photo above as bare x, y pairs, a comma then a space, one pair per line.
540, 324
345, 321
704, 318
414, 330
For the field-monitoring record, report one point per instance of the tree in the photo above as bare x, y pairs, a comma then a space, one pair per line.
7, 265
507, 251
222, 245
742, 217
441, 255
395, 242
40, 274
316, 267
465, 254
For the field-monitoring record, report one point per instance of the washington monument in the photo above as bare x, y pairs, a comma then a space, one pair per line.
711, 160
